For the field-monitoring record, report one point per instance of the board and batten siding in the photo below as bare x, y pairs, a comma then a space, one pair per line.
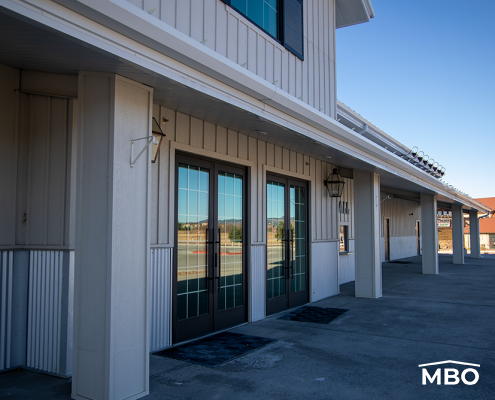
202, 139
403, 215
230, 34
188, 134
43, 171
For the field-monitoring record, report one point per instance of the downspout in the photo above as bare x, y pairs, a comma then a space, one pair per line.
365, 129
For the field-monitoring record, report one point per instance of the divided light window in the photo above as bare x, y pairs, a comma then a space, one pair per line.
281, 19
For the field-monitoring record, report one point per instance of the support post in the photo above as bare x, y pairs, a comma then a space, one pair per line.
367, 236
457, 234
429, 233
111, 340
474, 233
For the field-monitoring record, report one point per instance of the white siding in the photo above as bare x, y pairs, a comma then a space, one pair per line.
186, 133
257, 283
8, 148
324, 270
230, 34
6, 307
161, 299
49, 320
41, 178
403, 215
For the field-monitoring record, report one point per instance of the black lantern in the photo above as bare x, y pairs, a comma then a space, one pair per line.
158, 135
334, 184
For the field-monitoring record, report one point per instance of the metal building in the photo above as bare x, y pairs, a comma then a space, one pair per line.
116, 240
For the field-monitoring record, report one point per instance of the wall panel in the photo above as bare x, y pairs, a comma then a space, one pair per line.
45, 171
324, 276
230, 34
257, 283
161, 298
49, 319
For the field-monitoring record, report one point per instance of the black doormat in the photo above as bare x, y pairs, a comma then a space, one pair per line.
215, 350
317, 315
399, 262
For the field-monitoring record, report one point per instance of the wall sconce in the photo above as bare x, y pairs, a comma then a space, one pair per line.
155, 140
335, 184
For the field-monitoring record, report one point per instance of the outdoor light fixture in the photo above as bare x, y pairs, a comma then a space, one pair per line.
334, 184
158, 135
155, 140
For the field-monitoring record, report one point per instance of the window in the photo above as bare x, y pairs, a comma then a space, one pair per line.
344, 239
281, 19
263, 13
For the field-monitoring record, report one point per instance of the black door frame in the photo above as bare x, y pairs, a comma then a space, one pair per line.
215, 320
290, 300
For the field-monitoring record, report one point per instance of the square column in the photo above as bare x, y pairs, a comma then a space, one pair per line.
474, 234
458, 234
111, 344
367, 234
429, 233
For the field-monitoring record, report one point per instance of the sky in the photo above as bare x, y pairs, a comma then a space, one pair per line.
424, 72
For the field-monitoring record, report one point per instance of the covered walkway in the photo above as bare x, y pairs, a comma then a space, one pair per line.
370, 352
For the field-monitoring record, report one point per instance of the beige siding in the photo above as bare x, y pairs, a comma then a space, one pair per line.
227, 32
9, 81
185, 133
40, 172
347, 201
402, 223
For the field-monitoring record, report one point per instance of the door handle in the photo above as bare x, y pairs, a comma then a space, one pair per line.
291, 254
219, 261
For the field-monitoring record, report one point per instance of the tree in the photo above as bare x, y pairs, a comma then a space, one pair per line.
235, 234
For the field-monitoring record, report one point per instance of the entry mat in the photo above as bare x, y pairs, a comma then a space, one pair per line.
215, 350
317, 315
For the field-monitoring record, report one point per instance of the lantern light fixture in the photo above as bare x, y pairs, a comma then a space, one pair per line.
335, 184
155, 140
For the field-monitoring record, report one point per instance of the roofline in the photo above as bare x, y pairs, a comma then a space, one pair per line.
454, 193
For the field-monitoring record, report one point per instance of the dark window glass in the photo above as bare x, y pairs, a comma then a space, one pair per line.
344, 239
282, 19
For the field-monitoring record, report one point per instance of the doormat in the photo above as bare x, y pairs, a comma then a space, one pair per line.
399, 262
216, 350
317, 315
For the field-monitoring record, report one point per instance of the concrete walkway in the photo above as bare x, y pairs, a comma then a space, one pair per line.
371, 352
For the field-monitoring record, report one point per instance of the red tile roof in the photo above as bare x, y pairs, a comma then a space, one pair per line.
487, 225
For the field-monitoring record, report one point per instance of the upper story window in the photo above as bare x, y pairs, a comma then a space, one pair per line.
281, 19
263, 13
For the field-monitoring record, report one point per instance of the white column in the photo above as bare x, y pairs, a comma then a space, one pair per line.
367, 234
458, 234
474, 233
111, 341
429, 233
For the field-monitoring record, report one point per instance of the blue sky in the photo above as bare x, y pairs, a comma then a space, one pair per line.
424, 72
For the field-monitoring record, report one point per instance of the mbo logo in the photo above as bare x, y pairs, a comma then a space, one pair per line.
451, 375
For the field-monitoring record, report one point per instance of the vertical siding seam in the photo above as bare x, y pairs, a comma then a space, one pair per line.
47, 167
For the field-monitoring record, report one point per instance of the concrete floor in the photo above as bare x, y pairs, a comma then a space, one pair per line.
371, 352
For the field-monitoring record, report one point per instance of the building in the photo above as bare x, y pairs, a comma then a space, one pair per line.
487, 227
106, 255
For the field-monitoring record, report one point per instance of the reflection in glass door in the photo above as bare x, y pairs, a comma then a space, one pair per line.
286, 244
209, 273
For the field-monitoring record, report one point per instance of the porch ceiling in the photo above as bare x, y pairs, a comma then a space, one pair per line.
28, 45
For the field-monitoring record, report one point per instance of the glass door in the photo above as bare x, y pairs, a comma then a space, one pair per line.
209, 272
287, 269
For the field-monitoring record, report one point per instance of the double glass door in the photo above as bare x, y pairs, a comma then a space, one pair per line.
209, 270
287, 232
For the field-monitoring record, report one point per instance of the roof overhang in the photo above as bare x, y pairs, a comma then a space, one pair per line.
213, 89
353, 12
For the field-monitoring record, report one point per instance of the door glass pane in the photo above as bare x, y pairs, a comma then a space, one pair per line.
275, 236
230, 220
192, 250
298, 238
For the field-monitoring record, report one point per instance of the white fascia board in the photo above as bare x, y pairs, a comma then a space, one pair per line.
250, 93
